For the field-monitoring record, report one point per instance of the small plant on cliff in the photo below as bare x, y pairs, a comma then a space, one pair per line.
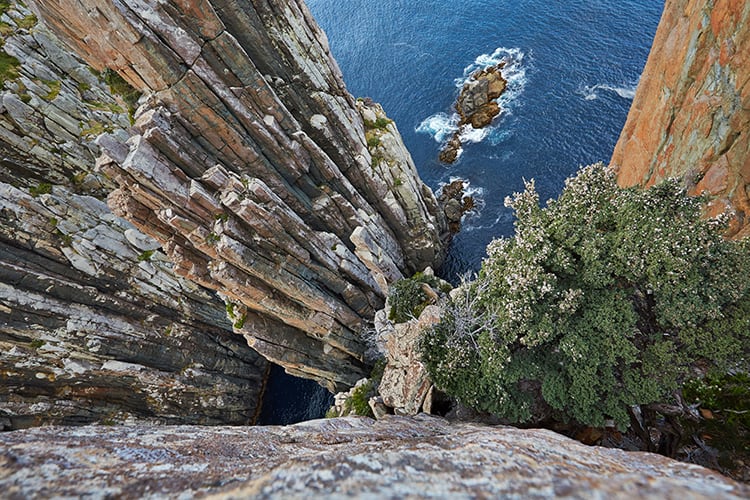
146, 255
605, 299
380, 123
407, 297
40, 189
373, 141
117, 85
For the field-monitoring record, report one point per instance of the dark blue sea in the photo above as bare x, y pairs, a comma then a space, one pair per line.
572, 67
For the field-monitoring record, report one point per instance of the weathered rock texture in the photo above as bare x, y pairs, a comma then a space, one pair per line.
94, 324
691, 113
406, 386
249, 164
347, 457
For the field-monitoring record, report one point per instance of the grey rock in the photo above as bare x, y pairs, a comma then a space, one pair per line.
396, 457
248, 162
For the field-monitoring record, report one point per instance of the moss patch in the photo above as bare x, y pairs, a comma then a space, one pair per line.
54, 89
27, 22
10, 67
118, 85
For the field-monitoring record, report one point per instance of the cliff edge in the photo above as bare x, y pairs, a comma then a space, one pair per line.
398, 457
248, 162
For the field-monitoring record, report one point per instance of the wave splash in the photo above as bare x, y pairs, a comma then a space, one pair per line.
590, 93
442, 126
476, 193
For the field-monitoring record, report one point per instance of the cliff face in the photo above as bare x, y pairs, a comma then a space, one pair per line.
344, 457
94, 324
691, 113
248, 163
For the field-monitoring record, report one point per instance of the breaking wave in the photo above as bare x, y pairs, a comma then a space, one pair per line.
590, 93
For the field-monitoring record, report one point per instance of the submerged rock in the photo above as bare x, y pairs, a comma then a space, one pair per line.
397, 457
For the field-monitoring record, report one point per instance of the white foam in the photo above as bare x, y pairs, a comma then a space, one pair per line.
471, 134
474, 192
589, 93
442, 126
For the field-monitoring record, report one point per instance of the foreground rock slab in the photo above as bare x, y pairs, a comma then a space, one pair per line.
396, 457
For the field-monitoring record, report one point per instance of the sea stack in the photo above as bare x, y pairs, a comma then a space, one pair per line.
476, 105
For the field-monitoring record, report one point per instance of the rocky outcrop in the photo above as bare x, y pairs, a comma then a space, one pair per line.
346, 457
406, 387
476, 105
94, 324
249, 163
691, 113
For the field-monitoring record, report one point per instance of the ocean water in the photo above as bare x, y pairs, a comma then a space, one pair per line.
575, 65
572, 67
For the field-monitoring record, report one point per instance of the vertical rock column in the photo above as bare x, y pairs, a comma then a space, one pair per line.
691, 113
248, 163
94, 324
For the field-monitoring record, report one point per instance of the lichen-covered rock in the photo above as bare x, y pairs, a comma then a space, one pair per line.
249, 163
691, 112
94, 323
397, 457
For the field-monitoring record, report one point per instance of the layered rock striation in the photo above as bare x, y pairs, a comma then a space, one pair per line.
691, 113
94, 324
248, 162
396, 457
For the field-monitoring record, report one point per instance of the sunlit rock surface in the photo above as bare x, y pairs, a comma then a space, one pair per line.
249, 163
397, 457
691, 113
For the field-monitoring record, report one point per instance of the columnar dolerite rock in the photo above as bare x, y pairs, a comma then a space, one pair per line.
249, 163
691, 113
422, 457
94, 324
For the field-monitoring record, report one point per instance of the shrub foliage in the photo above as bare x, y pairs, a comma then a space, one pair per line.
605, 299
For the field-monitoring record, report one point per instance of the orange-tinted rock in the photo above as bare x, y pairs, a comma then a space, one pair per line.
691, 112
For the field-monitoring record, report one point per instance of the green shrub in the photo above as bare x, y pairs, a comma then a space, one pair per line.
380, 123
359, 401
407, 299
602, 300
